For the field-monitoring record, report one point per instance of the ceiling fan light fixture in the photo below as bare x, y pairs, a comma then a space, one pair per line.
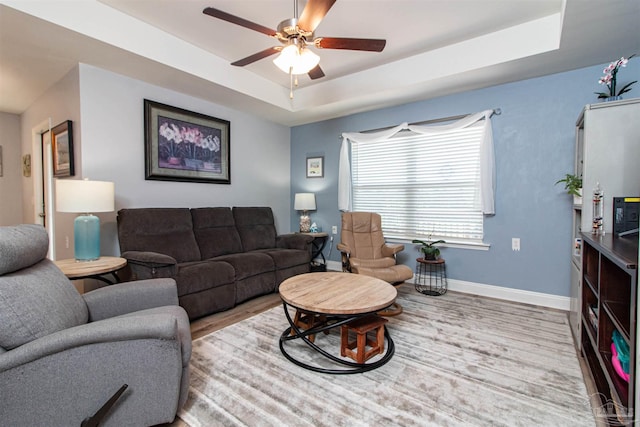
296, 60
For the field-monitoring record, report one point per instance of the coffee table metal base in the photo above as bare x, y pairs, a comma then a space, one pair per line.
295, 333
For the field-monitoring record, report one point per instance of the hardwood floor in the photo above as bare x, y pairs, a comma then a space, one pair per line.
208, 324
214, 322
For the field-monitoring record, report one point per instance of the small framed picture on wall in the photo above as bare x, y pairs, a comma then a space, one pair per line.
315, 167
62, 147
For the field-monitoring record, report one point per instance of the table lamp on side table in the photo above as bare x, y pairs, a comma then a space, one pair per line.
84, 196
305, 202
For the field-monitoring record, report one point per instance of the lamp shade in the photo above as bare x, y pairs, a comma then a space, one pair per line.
84, 196
298, 60
305, 202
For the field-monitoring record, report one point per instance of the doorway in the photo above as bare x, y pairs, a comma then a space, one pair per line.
42, 175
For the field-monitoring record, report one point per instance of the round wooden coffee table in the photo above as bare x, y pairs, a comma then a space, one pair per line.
337, 298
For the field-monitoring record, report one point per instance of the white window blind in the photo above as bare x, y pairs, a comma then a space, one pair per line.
423, 186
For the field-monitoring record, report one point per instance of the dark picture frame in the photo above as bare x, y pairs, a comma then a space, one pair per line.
62, 149
182, 145
315, 167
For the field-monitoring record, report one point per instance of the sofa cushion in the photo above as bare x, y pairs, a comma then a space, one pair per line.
256, 227
202, 275
249, 264
165, 230
37, 301
215, 232
285, 258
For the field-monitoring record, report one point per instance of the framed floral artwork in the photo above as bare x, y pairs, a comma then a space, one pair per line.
62, 149
315, 167
182, 145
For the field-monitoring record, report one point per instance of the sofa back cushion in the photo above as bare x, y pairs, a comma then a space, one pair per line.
256, 227
36, 298
167, 231
215, 232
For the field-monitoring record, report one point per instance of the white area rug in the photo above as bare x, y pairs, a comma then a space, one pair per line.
460, 360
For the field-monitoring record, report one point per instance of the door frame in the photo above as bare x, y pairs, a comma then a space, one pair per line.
43, 180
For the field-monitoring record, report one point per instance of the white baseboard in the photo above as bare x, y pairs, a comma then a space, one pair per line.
334, 265
498, 292
510, 294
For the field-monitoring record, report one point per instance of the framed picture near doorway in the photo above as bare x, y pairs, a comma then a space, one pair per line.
62, 149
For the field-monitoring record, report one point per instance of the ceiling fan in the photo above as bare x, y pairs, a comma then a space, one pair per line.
296, 35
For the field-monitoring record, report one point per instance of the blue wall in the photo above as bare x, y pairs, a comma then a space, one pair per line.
534, 147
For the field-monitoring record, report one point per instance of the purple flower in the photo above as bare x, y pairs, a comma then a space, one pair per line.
610, 77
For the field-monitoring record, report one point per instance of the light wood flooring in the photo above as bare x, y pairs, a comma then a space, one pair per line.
214, 322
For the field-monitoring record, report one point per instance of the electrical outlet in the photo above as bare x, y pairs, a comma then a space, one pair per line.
515, 244
334, 229
66, 242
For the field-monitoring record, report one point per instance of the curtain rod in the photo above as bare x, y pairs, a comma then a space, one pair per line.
496, 112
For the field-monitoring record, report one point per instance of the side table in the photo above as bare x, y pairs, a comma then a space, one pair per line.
431, 276
75, 270
318, 244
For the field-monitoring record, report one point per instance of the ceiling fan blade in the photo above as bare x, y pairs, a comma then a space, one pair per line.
313, 13
216, 13
371, 45
257, 56
316, 73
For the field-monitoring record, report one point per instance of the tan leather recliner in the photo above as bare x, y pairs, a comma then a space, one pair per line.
364, 250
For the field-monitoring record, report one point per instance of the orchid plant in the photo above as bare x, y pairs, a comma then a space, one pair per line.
609, 79
191, 138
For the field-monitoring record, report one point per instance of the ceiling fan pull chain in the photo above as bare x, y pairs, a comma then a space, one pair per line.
290, 82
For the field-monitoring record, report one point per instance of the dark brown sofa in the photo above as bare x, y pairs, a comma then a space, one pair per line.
219, 256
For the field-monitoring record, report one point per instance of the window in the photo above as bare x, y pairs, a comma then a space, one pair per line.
423, 185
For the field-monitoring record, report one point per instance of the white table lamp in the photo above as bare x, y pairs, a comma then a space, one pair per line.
305, 202
83, 197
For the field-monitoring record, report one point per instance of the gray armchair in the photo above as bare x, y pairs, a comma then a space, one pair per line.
64, 355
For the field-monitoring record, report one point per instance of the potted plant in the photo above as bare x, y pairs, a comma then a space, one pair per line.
430, 251
573, 185
610, 80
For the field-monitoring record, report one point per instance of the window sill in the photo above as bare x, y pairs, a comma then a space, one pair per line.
477, 246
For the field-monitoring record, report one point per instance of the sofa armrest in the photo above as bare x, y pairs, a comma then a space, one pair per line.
390, 249
150, 265
294, 241
111, 330
124, 298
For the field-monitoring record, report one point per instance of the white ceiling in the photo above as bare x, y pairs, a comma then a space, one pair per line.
434, 48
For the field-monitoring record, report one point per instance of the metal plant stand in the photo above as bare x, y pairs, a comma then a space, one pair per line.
431, 276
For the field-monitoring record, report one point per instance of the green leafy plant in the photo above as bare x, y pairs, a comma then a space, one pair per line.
428, 249
572, 183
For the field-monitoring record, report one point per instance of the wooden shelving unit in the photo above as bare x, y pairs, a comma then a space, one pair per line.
606, 153
609, 282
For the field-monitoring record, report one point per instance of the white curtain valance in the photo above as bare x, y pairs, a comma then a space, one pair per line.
484, 191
